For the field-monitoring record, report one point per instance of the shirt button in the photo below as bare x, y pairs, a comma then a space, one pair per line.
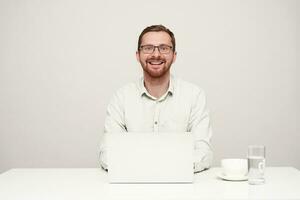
155, 122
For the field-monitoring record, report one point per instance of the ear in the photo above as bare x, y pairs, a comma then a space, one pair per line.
137, 54
174, 57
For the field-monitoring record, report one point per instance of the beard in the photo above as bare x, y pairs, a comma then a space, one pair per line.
156, 67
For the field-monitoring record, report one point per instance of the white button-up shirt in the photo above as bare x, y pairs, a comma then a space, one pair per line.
181, 109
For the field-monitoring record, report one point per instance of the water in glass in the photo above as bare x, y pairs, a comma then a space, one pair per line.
256, 170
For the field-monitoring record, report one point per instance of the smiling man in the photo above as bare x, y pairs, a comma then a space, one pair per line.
160, 102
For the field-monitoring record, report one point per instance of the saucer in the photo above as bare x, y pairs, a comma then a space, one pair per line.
232, 178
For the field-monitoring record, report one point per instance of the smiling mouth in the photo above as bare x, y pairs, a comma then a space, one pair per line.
155, 62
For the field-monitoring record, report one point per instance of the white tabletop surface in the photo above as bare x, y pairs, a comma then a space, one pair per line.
92, 183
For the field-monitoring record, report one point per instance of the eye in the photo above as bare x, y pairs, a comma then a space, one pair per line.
148, 47
164, 47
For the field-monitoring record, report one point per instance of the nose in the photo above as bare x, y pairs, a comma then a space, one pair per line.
156, 51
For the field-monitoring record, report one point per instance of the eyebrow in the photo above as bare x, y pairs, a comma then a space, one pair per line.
157, 45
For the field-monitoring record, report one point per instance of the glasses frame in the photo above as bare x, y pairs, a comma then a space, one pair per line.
156, 46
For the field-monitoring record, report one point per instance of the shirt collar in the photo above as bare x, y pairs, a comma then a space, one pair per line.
143, 90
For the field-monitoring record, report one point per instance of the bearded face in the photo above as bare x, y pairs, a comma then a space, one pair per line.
156, 63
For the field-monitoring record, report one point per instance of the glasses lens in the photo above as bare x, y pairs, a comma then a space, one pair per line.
147, 48
164, 48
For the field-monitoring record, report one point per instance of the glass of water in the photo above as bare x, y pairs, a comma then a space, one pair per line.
256, 164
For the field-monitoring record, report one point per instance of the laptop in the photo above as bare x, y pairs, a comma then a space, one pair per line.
150, 157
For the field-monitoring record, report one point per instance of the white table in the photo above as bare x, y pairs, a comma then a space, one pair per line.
91, 183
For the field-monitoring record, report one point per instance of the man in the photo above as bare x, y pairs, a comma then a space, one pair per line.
160, 102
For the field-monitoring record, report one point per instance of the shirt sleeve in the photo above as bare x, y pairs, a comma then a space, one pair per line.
200, 127
114, 122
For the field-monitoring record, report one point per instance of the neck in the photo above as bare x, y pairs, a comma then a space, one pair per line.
157, 86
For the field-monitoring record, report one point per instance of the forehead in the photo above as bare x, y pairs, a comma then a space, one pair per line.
156, 38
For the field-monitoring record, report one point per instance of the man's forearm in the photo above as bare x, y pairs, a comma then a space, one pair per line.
203, 156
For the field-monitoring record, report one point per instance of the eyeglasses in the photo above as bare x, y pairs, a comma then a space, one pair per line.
163, 48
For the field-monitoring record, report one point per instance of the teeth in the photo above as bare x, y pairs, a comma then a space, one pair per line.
155, 63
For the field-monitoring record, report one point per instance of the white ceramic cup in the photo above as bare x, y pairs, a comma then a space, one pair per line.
234, 167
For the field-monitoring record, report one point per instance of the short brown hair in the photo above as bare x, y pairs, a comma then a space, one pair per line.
157, 28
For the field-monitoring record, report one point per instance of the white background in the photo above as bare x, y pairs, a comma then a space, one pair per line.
61, 61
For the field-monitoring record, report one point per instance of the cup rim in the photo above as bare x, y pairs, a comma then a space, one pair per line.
233, 160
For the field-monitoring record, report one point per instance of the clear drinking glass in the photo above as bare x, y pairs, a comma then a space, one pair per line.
256, 164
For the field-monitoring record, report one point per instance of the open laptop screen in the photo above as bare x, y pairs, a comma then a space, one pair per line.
150, 157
